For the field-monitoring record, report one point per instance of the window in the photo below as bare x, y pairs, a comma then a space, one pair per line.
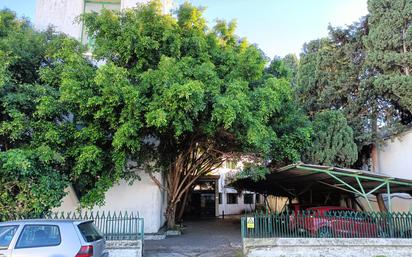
248, 198
220, 198
39, 236
257, 199
231, 198
97, 6
89, 232
6, 235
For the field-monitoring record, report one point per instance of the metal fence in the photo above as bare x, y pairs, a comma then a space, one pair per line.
336, 224
114, 226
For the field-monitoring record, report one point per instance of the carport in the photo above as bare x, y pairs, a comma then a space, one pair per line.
310, 181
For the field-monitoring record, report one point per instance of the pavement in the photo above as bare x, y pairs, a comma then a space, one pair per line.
201, 238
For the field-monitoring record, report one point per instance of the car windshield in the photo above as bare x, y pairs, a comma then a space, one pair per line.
89, 232
6, 235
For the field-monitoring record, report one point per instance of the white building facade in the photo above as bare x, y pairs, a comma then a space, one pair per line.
394, 159
230, 201
63, 14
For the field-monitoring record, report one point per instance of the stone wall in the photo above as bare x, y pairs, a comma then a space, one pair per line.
125, 248
330, 247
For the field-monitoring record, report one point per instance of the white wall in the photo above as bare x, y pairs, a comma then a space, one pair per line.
239, 208
230, 209
70, 201
395, 159
61, 14
143, 196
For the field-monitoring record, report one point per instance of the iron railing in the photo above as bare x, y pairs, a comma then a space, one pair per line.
113, 225
336, 224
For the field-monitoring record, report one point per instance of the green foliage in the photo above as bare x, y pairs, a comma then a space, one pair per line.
291, 62
166, 83
389, 54
344, 72
254, 172
29, 184
278, 69
31, 156
333, 142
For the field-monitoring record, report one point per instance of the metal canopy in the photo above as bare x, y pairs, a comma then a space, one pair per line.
297, 179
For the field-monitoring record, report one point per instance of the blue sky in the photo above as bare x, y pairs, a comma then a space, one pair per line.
278, 27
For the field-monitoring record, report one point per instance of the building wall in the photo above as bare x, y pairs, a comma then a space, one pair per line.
232, 209
239, 208
143, 196
62, 14
395, 159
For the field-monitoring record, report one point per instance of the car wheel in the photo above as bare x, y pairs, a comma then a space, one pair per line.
325, 232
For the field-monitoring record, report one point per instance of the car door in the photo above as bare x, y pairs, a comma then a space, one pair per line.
367, 226
38, 240
342, 222
7, 235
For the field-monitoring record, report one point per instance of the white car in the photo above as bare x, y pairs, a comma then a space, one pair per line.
51, 238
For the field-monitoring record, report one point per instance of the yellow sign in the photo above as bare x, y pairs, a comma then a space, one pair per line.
250, 222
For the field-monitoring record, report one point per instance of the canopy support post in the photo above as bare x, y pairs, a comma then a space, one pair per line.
388, 191
364, 194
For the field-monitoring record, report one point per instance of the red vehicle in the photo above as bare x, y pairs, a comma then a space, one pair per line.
332, 221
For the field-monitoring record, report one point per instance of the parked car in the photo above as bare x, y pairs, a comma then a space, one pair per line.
51, 238
331, 221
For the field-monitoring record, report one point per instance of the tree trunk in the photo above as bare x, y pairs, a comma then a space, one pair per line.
182, 206
187, 167
171, 216
381, 203
405, 50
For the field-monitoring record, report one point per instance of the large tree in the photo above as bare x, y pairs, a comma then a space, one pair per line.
363, 69
173, 96
389, 50
333, 142
332, 75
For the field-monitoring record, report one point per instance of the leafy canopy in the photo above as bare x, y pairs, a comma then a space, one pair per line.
31, 149
333, 142
389, 46
165, 83
362, 70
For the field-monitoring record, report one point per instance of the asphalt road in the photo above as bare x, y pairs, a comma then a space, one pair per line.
201, 238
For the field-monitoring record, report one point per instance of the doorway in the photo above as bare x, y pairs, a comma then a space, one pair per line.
202, 202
